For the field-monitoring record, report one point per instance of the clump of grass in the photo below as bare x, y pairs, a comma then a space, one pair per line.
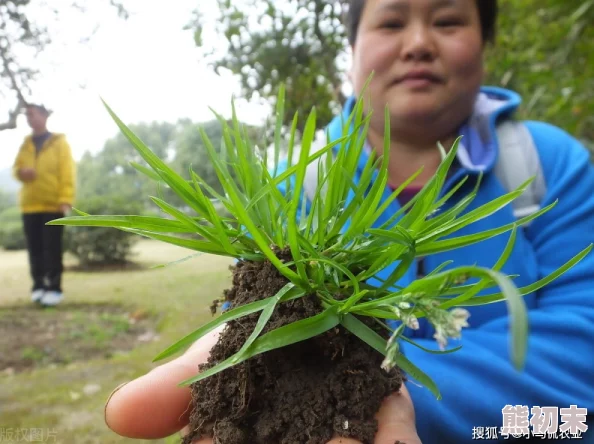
335, 241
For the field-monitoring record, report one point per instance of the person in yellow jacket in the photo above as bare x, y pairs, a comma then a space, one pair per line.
45, 166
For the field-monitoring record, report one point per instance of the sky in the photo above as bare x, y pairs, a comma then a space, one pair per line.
147, 68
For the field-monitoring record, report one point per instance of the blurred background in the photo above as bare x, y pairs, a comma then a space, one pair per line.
162, 67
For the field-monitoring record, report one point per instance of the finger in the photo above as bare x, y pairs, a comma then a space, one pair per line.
396, 420
186, 430
155, 406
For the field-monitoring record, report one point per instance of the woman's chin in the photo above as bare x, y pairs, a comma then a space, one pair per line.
415, 115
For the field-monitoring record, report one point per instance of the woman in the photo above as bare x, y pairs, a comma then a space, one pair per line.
427, 60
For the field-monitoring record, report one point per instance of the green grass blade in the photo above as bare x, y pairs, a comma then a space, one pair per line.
146, 171
396, 234
416, 373
375, 341
453, 191
363, 332
515, 303
427, 196
281, 337
433, 247
286, 292
227, 316
427, 350
297, 331
239, 210
203, 231
292, 229
406, 261
497, 297
440, 268
212, 215
480, 213
174, 180
191, 244
448, 217
476, 288
179, 261
356, 297
148, 223
518, 317
381, 210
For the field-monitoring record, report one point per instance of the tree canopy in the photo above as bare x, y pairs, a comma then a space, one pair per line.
543, 51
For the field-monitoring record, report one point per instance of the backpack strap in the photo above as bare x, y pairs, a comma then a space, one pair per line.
517, 162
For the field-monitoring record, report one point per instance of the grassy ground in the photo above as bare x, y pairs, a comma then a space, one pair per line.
52, 400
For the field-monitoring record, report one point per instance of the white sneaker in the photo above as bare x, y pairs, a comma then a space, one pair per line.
52, 298
36, 295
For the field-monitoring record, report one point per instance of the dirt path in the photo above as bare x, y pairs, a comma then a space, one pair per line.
65, 401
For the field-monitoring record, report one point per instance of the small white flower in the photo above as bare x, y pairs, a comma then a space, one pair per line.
405, 305
440, 337
448, 324
412, 322
390, 360
459, 318
395, 310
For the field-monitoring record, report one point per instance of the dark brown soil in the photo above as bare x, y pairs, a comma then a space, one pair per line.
307, 393
31, 336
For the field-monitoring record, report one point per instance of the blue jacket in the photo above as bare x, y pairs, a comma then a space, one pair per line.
478, 381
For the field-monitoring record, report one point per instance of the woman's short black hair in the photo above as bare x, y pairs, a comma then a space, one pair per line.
487, 13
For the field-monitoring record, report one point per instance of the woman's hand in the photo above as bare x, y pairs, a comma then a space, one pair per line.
154, 406
27, 174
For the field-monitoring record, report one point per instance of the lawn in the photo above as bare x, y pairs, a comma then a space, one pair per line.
65, 401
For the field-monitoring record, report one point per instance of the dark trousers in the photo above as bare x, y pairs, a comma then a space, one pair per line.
44, 244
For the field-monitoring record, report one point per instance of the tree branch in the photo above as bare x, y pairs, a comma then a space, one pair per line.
12, 115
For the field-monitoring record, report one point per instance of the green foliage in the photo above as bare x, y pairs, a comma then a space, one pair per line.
296, 44
191, 153
12, 236
110, 173
543, 51
334, 247
7, 200
93, 245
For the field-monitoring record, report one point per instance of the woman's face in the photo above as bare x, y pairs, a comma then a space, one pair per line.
426, 60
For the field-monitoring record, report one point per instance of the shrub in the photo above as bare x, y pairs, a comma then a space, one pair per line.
99, 245
12, 236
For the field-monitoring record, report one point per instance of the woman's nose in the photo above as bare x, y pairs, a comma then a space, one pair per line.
418, 43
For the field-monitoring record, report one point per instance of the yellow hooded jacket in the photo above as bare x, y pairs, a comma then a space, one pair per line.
55, 175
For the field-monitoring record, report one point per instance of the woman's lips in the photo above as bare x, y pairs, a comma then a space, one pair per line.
419, 79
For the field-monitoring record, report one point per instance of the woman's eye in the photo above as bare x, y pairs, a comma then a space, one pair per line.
393, 24
448, 23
